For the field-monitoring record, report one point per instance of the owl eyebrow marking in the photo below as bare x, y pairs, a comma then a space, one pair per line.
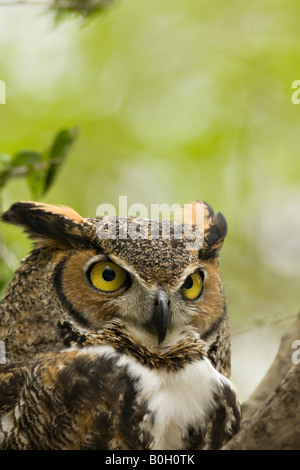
200, 269
101, 256
58, 287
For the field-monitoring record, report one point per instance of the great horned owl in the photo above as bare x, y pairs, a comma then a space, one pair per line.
114, 342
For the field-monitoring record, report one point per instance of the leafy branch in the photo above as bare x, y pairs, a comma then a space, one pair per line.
40, 169
64, 8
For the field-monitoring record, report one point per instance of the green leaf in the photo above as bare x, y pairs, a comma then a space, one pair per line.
25, 158
39, 168
35, 180
57, 154
5, 171
4, 176
25, 163
62, 143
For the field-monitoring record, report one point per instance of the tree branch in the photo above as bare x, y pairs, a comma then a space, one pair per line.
59, 4
271, 415
24, 170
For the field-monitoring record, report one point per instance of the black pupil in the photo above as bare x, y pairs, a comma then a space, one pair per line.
188, 283
108, 274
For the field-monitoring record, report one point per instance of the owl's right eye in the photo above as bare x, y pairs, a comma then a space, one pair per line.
193, 285
107, 276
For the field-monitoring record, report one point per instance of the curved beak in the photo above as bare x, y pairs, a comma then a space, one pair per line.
161, 316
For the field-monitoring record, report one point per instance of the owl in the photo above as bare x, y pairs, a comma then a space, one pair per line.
116, 342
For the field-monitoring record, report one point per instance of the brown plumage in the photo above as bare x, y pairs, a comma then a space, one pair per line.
103, 332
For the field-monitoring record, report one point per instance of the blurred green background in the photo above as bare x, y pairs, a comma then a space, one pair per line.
175, 101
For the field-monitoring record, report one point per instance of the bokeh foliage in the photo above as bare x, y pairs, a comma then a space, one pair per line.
175, 101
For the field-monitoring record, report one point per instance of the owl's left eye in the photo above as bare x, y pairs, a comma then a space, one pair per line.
107, 276
193, 285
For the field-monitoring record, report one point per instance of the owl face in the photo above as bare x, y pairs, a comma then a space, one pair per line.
101, 286
157, 287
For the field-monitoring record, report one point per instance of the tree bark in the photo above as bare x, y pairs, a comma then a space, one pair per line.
271, 416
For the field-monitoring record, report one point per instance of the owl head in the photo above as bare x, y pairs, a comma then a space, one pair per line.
84, 272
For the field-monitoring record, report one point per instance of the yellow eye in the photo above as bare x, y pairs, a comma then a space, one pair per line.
192, 286
107, 276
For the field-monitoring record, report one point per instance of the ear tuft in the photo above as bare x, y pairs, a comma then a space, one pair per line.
211, 228
49, 224
215, 231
